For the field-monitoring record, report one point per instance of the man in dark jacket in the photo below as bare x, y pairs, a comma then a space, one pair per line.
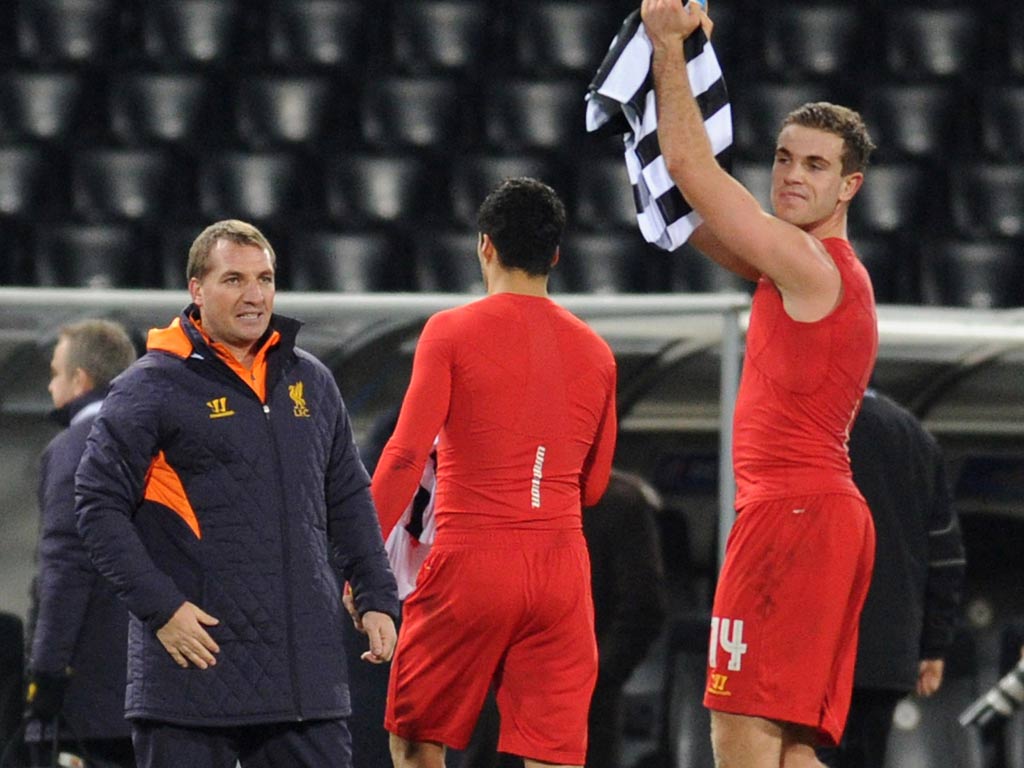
909, 618
222, 493
77, 658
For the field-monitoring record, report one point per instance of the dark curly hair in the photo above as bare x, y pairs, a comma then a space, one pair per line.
524, 219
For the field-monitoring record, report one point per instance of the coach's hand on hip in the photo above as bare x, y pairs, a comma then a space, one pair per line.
185, 638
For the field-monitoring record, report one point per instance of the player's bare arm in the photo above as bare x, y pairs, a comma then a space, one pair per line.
740, 235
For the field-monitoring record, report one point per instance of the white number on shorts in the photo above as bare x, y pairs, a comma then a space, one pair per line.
731, 642
538, 466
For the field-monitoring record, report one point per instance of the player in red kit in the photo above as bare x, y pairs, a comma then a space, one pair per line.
521, 395
799, 557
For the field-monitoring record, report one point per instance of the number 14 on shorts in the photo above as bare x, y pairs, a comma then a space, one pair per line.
726, 635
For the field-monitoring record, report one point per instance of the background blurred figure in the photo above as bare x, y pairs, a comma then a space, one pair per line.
630, 605
909, 618
77, 660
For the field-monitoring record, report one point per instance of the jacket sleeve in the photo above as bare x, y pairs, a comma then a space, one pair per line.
946, 566
66, 575
598, 465
423, 413
108, 490
352, 525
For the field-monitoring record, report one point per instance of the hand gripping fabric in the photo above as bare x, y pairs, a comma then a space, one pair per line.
620, 99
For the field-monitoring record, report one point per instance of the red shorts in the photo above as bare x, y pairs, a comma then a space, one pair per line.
787, 608
513, 610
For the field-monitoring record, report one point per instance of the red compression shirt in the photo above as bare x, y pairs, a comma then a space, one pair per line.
522, 396
801, 388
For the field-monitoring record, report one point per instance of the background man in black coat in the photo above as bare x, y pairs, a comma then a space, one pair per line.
910, 614
77, 656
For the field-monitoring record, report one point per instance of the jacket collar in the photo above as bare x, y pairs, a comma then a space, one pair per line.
184, 339
66, 414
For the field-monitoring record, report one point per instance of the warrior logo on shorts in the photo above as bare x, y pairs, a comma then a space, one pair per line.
727, 634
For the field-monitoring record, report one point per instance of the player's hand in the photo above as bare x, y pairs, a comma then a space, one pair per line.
185, 638
669, 22
929, 676
381, 631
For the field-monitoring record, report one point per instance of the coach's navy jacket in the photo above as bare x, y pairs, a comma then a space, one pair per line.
192, 489
79, 621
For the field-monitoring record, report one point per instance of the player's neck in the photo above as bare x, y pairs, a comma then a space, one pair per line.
516, 281
833, 226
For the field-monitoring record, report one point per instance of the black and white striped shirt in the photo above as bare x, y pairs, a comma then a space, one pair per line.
620, 99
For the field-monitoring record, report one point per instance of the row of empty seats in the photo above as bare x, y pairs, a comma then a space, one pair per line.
916, 40
953, 272
358, 189
315, 111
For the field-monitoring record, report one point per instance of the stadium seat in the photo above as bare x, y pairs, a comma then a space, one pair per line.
602, 195
912, 121
347, 262
426, 113
440, 36
318, 33
376, 190
91, 256
132, 184
271, 110
192, 32
812, 41
66, 31
175, 108
1002, 122
691, 271
611, 262
757, 178
15, 266
561, 37
980, 273
892, 265
473, 176
1015, 37
926, 42
28, 182
896, 197
253, 186
988, 200
446, 262
759, 109
40, 106
533, 114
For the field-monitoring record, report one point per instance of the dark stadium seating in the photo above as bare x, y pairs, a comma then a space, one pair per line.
915, 120
280, 110
533, 114
987, 200
29, 182
257, 186
924, 42
812, 41
756, 176
691, 271
91, 256
473, 176
893, 266
425, 113
611, 262
759, 108
983, 274
602, 195
446, 261
131, 184
192, 33
896, 197
347, 262
552, 38
158, 107
66, 31
433, 36
41, 106
305, 34
1002, 122
364, 190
